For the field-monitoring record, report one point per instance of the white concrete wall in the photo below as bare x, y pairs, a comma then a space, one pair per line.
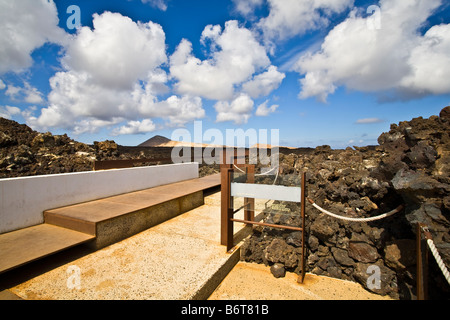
23, 199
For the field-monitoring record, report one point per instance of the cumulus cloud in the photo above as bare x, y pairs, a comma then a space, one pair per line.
394, 56
27, 93
113, 75
430, 63
288, 18
238, 111
136, 127
159, 4
237, 70
2, 85
247, 7
117, 52
263, 110
264, 83
236, 56
22, 33
183, 109
8, 111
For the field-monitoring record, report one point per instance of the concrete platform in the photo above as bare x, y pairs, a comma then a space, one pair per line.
99, 223
180, 259
115, 218
23, 246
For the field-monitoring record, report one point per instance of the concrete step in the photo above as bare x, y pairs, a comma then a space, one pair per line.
118, 217
101, 222
179, 259
25, 245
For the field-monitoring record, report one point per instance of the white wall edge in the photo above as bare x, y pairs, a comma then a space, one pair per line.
24, 199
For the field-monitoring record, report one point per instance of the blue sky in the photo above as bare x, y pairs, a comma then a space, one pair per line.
334, 72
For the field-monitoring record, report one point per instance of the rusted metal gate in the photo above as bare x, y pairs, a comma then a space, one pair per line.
229, 191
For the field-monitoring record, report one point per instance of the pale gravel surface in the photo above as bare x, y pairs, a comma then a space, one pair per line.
172, 261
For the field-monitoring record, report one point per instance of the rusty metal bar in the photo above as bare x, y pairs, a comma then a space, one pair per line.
230, 229
249, 212
267, 224
226, 233
301, 277
241, 207
422, 261
225, 194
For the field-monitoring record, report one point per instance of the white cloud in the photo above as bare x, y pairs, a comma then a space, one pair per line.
2, 85
212, 33
113, 75
8, 111
430, 62
395, 56
118, 52
288, 18
264, 83
263, 110
26, 93
238, 111
93, 125
159, 4
32, 95
369, 120
136, 127
236, 56
26, 25
237, 70
12, 92
183, 109
247, 7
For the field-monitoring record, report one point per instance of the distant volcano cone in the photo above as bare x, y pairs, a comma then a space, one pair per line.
155, 141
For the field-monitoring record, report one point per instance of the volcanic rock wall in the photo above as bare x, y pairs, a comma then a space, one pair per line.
410, 166
25, 152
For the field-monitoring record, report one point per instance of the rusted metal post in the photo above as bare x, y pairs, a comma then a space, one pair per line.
422, 261
249, 209
226, 223
301, 277
230, 213
419, 276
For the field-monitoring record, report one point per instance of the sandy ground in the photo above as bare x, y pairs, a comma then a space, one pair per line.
250, 281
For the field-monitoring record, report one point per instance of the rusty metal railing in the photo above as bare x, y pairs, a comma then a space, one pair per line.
227, 210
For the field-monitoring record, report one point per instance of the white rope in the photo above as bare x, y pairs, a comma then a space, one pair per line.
266, 173
261, 174
257, 174
381, 216
439, 260
276, 177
